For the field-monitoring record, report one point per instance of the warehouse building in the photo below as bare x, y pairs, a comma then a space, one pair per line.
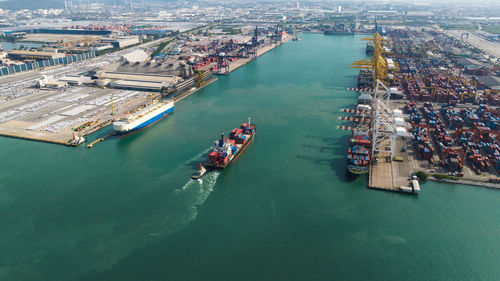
121, 42
136, 56
138, 81
69, 31
25, 55
76, 79
139, 85
170, 79
103, 47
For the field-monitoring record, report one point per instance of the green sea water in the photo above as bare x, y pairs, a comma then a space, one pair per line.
126, 210
16, 45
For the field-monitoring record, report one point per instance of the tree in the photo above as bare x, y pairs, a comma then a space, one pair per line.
422, 176
199, 79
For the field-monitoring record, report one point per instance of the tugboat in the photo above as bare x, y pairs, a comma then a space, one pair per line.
200, 173
227, 149
77, 139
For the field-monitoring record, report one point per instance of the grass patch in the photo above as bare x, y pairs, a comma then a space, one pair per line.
231, 30
495, 29
422, 176
443, 177
468, 27
161, 47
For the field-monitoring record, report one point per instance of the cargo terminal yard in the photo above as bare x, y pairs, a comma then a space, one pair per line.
54, 115
429, 98
62, 104
433, 109
286, 140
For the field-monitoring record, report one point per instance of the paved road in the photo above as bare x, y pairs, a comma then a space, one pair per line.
492, 48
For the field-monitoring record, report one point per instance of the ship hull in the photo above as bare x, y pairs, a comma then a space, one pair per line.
358, 155
146, 123
338, 33
212, 166
356, 172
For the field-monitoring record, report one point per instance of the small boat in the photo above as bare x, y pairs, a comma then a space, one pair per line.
77, 139
202, 171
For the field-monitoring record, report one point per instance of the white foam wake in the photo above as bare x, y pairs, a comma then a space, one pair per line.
207, 182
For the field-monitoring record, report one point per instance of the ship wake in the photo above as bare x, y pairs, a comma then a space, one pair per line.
198, 156
206, 183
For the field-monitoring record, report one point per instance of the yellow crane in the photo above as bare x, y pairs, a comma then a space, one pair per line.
468, 94
489, 91
112, 106
377, 63
432, 90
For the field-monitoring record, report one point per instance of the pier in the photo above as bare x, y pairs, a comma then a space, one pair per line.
376, 117
380, 175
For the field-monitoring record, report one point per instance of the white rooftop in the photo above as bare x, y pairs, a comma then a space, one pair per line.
135, 56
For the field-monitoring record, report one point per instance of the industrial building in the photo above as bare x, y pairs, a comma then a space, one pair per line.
55, 84
7, 62
170, 79
139, 85
121, 42
24, 55
136, 56
137, 81
68, 31
103, 47
76, 79
15, 34
173, 68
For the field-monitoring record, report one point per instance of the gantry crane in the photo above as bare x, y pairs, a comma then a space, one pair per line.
222, 64
377, 63
383, 127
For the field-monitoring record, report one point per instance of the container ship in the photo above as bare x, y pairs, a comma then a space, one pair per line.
358, 155
339, 29
143, 118
338, 32
227, 149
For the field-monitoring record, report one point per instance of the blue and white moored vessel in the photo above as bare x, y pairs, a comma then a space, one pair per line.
143, 118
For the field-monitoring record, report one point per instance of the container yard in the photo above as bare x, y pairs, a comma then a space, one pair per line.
435, 110
453, 118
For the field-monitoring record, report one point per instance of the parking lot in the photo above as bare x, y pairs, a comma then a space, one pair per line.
54, 115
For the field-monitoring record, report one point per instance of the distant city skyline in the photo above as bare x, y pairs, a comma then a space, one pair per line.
396, 5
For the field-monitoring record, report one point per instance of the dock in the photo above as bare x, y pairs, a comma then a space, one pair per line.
192, 90
385, 176
441, 127
90, 145
390, 175
261, 51
380, 175
54, 115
